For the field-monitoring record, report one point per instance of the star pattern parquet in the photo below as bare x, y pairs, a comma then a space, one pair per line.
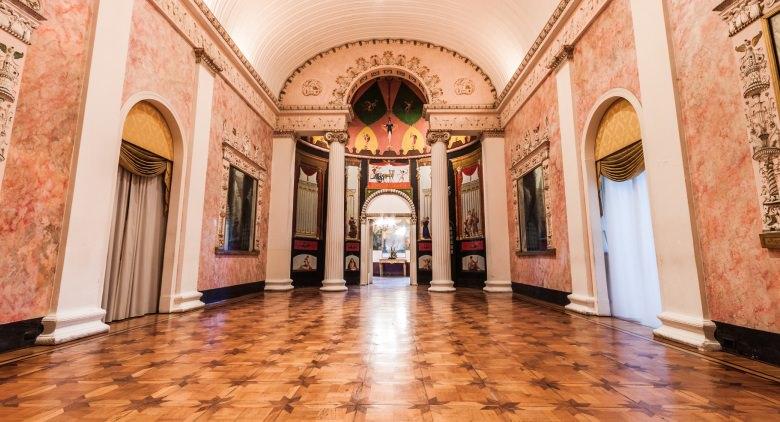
374, 353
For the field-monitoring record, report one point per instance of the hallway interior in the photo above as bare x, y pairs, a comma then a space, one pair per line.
379, 353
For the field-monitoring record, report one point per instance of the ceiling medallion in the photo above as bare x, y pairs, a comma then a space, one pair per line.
311, 88
464, 86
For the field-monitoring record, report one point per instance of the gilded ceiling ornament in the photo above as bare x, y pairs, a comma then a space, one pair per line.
311, 88
464, 86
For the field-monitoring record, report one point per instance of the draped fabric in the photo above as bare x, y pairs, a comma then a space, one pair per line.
141, 162
623, 164
468, 171
632, 272
136, 245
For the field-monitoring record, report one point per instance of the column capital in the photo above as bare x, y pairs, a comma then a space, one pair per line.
492, 134
565, 53
283, 134
201, 56
434, 136
341, 136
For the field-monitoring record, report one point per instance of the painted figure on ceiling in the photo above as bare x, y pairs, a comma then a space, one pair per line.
389, 128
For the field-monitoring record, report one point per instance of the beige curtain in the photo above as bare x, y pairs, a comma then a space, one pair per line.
623, 164
135, 255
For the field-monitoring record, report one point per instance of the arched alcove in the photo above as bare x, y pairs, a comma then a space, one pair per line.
385, 203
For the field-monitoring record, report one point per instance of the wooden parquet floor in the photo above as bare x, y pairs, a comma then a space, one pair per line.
379, 353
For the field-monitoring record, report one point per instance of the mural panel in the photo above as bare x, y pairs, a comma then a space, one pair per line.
468, 198
352, 198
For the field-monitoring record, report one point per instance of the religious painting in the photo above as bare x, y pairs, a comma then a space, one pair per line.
531, 211
308, 195
468, 198
424, 195
240, 218
424, 263
388, 175
352, 198
352, 263
473, 263
304, 263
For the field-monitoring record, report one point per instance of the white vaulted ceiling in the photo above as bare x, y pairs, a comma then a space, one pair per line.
280, 35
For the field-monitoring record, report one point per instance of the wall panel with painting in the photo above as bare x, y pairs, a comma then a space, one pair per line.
467, 217
308, 248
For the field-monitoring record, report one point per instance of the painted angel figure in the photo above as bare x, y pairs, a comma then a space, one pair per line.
389, 128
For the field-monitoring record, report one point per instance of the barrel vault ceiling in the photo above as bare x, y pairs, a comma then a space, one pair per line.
279, 35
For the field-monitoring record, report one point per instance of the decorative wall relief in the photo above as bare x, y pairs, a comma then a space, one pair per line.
239, 152
530, 154
464, 86
311, 88
758, 69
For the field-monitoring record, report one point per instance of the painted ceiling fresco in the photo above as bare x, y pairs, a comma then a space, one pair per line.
388, 122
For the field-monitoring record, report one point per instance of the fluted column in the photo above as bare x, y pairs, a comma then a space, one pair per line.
334, 241
440, 213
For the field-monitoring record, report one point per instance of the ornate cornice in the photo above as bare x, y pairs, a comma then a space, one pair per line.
434, 136
384, 41
283, 134
493, 134
566, 53
739, 14
20, 18
341, 137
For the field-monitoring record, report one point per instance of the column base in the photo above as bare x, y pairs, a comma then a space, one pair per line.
278, 285
334, 285
498, 286
72, 325
442, 286
582, 304
699, 333
187, 301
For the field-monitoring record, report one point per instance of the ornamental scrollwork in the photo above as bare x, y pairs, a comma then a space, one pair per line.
311, 88
464, 86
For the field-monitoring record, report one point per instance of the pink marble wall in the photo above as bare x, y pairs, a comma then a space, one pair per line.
604, 58
34, 190
161, 61
230, 111
552, 272
742, 279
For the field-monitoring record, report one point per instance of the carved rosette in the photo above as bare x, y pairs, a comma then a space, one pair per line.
760, 105
532, 152
341, 137
239, 152
434, 136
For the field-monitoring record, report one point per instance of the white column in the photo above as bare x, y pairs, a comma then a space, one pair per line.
281, 214
440, 214
413, 251
684, 313
497, 248
75, 310
582, 298
185, 295
365, 252
334, 241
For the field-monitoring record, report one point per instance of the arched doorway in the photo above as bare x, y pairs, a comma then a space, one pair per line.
388, 236
135, 259
626, 270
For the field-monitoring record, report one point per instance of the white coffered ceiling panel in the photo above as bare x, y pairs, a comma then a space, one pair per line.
280, 35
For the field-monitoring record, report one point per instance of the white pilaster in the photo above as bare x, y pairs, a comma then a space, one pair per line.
366, 266
334, 241
413, 252
582, 297
280, 232
684, 316
185, 296
440, 214
75, 310
497, 249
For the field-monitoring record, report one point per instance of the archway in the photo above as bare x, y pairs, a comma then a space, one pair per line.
379, 207
152, 150
624, 261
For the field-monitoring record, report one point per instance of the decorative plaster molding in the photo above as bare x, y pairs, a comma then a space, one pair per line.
202, 57
283, 134
557, 33
311, 88
19, 18
566, 53
533, 151
239, 151
739, 14
313, 122
341, 137
243, 78
434, 136
465, 122
367, 202
389, 42
493, 134
464, 86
